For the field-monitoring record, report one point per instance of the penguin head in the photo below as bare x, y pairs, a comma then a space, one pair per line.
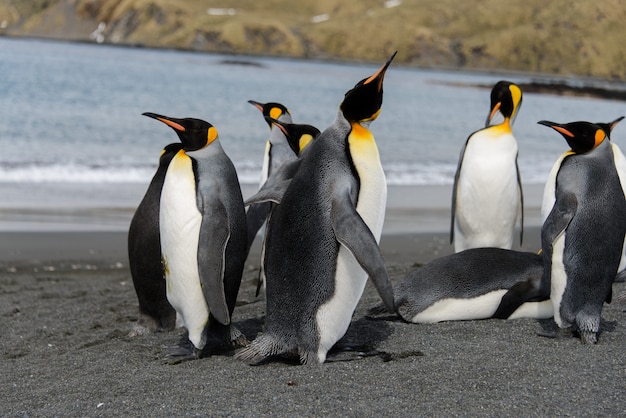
608, 127
298, 135
582, 137
194, 134
362, 103
506, 98
272, 110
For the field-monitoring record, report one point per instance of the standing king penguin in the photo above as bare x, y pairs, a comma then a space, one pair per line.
620, 165
322, 240
277, 152
298, 136
582, 237
487, 198
144, 254
202, 225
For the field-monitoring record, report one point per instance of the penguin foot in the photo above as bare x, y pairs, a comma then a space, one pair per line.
176, 354
377, 311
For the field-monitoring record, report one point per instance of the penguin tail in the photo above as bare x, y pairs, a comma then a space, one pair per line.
255, 353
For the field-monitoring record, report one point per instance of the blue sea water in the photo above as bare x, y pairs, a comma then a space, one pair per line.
71, 113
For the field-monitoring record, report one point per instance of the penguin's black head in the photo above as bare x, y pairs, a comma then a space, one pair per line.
608, 127
298, 135
363, 102
272, 110
194, 134
582, 137
506, 97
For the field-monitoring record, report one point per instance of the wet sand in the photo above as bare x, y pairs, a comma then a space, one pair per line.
67, 305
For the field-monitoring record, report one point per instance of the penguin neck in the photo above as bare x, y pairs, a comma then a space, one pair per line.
501, 128
212, 149
372, 196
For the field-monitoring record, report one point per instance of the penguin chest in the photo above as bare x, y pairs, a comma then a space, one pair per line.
558, 278
372, 198
180, 223
488, 195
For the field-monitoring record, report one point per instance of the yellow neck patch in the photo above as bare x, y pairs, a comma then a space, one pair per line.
275, 113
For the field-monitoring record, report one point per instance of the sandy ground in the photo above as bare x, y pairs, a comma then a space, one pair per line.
67, 305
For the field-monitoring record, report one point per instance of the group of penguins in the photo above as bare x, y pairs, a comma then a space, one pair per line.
322, 200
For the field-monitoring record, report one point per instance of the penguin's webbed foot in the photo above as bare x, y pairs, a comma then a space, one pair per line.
180, 353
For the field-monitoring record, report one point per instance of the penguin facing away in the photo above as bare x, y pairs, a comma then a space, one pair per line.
144, 254
487, 198
322, 239
469, 285
583, 235
277, 152
203, 235
299, 136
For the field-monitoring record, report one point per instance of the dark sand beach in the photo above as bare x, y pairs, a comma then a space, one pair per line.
68, 305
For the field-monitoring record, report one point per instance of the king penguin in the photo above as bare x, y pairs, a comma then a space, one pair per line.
203, 235
277, 152
487, 198
144, 254
470, 285
298, 136
582, 237
322, 241
620, 165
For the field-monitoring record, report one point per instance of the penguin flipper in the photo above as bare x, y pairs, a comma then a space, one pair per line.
255, 217
214, 235
457, 175
352, 232
559, 218
274, 187
521, 197
519, 294
273, 193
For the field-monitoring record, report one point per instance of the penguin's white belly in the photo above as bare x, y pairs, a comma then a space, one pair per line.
460, 309
549, 190
488, 196
536, 310
620, 165
333, 318
180, 228
558, 278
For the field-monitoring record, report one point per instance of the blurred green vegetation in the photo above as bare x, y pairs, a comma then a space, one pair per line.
566, 38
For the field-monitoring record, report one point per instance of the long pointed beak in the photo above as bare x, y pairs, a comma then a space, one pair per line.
166, 120
256, 104
380, 74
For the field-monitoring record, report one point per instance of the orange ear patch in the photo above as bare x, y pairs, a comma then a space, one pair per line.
211, 135
600, 135
275, 112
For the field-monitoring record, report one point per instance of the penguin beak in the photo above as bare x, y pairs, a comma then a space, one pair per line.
274, 122
492, 114
379, 75
615, 122
166, 120
557, 127
256, 104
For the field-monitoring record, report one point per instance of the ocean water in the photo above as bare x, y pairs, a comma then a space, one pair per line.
71, 113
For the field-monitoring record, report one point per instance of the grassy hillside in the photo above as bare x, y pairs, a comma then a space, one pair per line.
557, 37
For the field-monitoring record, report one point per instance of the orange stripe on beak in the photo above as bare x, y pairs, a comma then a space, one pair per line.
174, 125
563, 131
